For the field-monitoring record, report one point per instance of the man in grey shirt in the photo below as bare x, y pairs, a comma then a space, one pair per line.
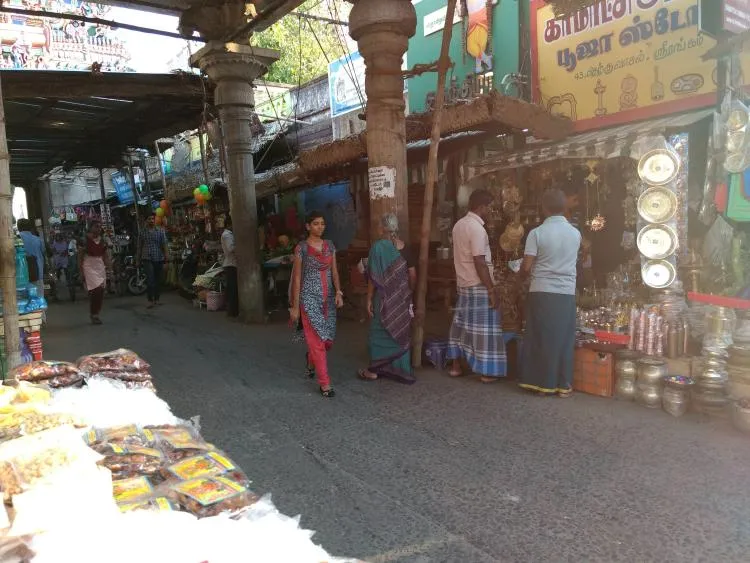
549, 340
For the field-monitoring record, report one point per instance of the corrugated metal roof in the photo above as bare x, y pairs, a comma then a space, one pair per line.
603, 143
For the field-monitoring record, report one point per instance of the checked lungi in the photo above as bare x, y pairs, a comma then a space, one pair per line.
476, 333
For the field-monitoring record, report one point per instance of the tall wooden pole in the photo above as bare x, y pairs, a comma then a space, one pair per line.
8, 252
429, 192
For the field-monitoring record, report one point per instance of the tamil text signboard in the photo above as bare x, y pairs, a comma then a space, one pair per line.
622, 60
736, 15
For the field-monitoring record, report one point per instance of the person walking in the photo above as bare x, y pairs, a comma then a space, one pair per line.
60, 256
93, 263
152, 256
476, 332
550, 259
391, 278
230, 268
34, 248
315, 296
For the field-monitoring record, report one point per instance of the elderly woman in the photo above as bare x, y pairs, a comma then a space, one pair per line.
391, 279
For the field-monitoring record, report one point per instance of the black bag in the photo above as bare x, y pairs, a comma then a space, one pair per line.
33, 268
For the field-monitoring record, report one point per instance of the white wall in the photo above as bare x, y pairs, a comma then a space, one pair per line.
79, 186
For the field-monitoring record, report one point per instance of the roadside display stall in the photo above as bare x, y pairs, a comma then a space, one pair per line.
91, 445
664, 211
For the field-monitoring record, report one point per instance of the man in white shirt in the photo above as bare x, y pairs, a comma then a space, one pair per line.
230, 268
476, 332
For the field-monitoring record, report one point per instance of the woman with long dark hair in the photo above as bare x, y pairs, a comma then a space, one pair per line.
315, 296
93, 264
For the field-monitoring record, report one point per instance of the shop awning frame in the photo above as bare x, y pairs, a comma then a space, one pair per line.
605, 143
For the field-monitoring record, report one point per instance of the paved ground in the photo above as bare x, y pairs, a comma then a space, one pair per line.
445, 470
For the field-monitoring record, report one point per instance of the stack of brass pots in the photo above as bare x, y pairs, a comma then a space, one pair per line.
651, 373
711, 394
676, 394
626, 372
738, 368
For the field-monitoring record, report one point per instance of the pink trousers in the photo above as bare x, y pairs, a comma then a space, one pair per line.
317, 349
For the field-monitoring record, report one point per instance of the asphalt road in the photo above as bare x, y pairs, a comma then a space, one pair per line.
444, 470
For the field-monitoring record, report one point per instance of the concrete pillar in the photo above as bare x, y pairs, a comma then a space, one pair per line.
382, 29
232, 68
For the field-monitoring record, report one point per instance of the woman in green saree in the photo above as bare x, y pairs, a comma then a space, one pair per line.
391, 277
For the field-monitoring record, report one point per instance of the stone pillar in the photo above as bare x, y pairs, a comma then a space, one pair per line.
232, 68
382, 29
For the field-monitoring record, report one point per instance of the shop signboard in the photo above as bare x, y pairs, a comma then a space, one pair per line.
122, 184
621, 61
346, 83
736, 16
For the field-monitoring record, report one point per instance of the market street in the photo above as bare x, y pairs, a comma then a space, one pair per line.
444, 470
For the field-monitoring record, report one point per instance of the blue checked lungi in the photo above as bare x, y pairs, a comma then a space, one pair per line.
476, 333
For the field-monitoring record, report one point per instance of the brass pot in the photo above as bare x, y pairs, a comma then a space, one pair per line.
648, 395
626, 364
625, 389
651, 371
675, 397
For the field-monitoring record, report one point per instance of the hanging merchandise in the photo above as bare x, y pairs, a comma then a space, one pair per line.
737, 140
659, 167
657, 205
738, 201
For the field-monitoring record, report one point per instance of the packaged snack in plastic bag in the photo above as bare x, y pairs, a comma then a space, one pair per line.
128, 434
209, 496
157, 502
41, 370
126, 376
116, 360
207, 464
131, 490
30, 420
66, 380
179, 442
29, 460
130, 461
29, 393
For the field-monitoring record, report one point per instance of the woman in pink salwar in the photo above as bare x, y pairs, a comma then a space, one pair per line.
315, 296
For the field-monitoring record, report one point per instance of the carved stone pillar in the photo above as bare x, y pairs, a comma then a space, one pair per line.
232, 68
382, 29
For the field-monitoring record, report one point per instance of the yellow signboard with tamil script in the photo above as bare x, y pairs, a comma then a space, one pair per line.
621, 61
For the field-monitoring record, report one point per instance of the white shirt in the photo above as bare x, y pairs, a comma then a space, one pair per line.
227, 247
469, 240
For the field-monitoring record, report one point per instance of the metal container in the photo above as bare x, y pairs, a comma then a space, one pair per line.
657, 205
675, 398
651, 371
648, 395
657, 242
626, 364
741, 415
719, 329
625, 389
659, 167
658, 274
672, 341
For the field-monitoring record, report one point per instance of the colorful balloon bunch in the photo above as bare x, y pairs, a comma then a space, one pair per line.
162, 212
202, 194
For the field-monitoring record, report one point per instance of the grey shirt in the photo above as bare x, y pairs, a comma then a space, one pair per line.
555, 245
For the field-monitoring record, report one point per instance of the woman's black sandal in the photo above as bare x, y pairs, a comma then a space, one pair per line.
328, 393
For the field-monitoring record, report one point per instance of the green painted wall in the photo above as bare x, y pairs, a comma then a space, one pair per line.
505, 38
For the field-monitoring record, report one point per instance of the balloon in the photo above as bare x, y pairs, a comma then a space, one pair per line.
203, 188
200, 199
207, 196
159, 213
196, 192
164, 204
158, 220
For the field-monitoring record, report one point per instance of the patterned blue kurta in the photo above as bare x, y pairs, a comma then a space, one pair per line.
322, 315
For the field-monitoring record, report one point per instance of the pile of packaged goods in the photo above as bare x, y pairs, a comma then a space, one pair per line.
116, 462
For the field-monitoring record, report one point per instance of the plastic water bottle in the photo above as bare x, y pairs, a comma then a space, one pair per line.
22, 268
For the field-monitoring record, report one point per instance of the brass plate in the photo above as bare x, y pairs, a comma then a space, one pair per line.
657, 205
